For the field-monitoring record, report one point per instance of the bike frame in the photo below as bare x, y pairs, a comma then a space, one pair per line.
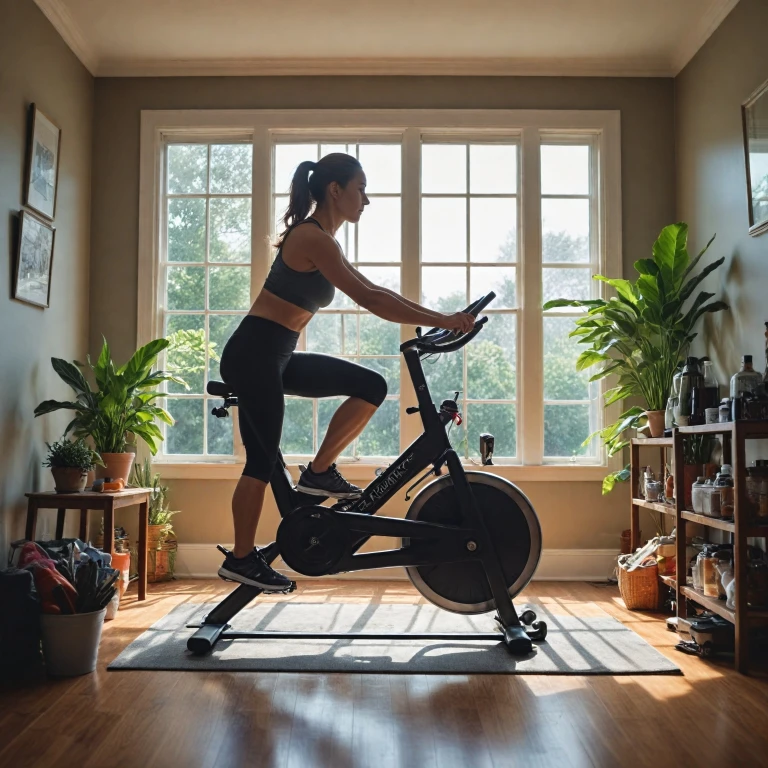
448, 544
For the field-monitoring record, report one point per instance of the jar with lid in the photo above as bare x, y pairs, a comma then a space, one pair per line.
653, 490
708, 575
697, 493
724, 481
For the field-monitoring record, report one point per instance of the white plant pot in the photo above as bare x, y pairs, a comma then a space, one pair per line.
71, 642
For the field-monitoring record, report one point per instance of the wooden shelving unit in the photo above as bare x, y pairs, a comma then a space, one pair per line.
734, 436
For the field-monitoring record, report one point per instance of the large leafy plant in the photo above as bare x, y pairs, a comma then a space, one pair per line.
641, 335
122, 403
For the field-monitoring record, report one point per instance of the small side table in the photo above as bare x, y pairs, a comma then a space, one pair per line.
107, 503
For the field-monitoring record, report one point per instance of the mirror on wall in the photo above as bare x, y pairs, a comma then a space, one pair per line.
754, 113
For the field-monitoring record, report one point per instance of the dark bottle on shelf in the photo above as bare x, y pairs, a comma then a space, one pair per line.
691, 381
711, 386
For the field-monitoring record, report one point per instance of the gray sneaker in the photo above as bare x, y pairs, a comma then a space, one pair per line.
329, 483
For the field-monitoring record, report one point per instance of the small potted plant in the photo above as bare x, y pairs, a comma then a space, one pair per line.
120, 406
70, 461
161, 540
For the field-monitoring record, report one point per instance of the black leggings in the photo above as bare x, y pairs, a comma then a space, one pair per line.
260, 365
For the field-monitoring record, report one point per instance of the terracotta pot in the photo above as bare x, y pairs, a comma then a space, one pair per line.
710, 470
656, 422
69, 479
118, 465
156, 536
690, 473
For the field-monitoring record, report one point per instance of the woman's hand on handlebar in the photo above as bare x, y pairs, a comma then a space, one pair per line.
458, 322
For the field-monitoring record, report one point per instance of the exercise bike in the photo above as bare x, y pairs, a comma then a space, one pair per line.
470, 542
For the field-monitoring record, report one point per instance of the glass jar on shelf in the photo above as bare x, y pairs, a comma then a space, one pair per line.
708, 575
724, 482
653, 490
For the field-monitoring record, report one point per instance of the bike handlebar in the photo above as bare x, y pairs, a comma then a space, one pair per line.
452, 346
443, 340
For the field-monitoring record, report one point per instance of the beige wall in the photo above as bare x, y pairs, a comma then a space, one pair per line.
711, 188
573, 515
37, 66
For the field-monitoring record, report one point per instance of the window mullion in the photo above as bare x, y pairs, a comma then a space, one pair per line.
530, 359
261, 208
410, 271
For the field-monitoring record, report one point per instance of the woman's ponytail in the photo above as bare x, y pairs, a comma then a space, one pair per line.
309, 183
300, 200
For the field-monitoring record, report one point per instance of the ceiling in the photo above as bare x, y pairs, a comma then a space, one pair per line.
378, 37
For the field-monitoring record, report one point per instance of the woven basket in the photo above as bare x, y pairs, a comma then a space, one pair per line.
639, 588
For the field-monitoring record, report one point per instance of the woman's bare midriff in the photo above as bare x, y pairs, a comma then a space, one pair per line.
280, 311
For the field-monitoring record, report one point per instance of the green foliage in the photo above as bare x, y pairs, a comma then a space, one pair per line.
121, 403
72, 453
643, 333
159, 506
698, 449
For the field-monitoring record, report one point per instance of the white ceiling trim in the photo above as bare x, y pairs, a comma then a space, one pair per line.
500, 67
700, 32
58, 14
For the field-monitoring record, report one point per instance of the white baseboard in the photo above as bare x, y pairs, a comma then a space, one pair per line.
202, 561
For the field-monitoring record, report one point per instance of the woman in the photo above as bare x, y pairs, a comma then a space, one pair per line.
260, 364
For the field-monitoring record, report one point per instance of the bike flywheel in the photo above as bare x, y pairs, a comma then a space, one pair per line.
514, 530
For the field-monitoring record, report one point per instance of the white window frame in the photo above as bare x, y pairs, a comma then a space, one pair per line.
529, 126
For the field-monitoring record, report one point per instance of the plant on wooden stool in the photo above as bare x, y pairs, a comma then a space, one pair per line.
70, 461
120, 406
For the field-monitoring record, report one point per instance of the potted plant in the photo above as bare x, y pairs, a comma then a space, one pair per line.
70, 461
161, 540
121, 405
643, 333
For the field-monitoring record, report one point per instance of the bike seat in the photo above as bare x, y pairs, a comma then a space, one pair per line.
219, 389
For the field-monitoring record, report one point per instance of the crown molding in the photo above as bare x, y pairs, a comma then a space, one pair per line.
377, 66
700, 32
58, 14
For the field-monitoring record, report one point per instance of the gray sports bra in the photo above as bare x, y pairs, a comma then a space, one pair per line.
308, 290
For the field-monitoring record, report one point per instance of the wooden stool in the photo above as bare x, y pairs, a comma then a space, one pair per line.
108, 503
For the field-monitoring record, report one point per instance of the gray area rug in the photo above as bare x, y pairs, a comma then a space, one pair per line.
582, 640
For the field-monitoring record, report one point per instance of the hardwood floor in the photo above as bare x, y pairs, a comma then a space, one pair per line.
711, 716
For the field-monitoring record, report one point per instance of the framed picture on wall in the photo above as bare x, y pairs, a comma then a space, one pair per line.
34, 260
754, 113
42, 164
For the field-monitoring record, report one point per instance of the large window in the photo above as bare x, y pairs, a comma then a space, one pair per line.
205, 257
456, 211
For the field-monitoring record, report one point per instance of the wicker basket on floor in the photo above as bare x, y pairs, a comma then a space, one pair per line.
639, 588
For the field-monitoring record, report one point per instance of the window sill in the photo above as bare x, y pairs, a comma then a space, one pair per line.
366, 471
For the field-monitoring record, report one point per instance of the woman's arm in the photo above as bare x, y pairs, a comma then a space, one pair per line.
388, 305
392, 293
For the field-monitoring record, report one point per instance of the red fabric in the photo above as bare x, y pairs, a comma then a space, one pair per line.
34, 553
45, 581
